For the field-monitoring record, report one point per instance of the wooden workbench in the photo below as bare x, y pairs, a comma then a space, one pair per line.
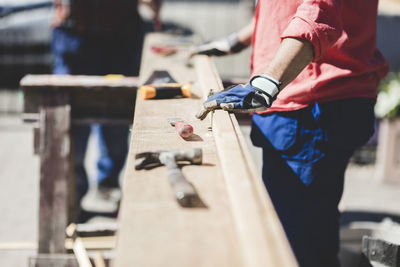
238, 225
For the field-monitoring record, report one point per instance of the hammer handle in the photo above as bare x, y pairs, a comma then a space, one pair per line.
184, 191
184, 129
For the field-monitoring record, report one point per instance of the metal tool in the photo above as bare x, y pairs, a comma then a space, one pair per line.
184, 191
184, 129
210, 93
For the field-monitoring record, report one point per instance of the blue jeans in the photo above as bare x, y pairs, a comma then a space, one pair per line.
305, 154
93, 54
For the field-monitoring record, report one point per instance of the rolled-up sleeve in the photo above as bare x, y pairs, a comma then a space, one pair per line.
319, 22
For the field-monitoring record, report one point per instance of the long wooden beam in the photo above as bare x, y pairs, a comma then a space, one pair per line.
237, 225
261, 235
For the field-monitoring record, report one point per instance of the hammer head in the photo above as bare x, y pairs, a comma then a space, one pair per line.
164, 157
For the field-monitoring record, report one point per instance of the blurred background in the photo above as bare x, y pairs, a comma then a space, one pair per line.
25, 34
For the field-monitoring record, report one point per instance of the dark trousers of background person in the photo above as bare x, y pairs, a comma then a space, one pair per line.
305, 154
96, 54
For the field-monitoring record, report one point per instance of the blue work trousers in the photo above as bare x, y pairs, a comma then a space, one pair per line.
305, 154
95, 54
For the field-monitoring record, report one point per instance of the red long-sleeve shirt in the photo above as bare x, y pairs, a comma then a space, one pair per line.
343, 34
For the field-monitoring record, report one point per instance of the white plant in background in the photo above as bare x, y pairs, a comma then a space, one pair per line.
388, 102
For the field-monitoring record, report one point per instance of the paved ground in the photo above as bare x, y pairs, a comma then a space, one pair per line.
18, 189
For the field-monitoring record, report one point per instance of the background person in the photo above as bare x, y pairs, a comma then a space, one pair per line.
99, 37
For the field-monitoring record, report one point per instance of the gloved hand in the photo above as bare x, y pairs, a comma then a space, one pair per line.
221, 47
255, 96
155, 6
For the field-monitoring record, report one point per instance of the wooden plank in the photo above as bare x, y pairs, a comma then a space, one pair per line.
389, 7
258, 224
97, 229
80, 253
92, 82
60, 260
78, 246
388, 157
154, 229
89, 95
90, 243
55, 172
99, 260
53, 260
18, 245
94, 242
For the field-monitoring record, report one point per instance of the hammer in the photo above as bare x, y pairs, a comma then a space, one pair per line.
184, 129
184, 191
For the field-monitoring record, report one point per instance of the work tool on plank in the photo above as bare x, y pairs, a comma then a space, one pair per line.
161, 85
184, 129
165, 50
184, 191
210, 93
203, 112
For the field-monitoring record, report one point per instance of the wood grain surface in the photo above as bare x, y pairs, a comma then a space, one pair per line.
89, 95
237, 226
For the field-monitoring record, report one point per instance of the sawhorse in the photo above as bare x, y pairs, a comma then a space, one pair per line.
56, 102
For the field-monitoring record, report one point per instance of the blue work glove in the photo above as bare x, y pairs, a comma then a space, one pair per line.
221, 47
255, 96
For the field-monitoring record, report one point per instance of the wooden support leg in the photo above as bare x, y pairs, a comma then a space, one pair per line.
55, 173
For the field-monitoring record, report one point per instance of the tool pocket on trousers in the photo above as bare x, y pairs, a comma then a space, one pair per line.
279, 129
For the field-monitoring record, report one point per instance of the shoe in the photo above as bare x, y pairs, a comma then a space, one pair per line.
110, 183
109, 193
102, 199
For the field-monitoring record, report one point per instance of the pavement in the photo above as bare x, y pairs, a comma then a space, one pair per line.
19, 191
19, 188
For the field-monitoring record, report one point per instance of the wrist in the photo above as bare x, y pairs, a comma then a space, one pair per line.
235, 45
266, 85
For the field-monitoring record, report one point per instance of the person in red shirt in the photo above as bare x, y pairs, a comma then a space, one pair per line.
315, 71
